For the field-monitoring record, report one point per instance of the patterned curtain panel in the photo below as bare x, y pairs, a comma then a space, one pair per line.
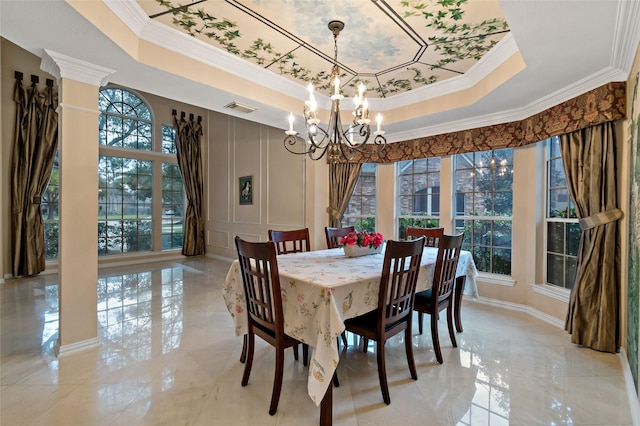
342, 181
589, 158
34, 148
189, 157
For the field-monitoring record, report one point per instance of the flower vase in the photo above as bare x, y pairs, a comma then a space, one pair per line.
355, 251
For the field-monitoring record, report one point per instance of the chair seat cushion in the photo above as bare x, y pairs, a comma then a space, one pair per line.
368, 321
424, 296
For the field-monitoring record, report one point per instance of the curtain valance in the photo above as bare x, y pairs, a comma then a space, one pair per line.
606, 103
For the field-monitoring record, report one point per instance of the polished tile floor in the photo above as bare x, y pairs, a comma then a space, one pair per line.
169, 356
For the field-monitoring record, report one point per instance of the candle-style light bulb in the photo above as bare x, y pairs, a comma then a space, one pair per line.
336, 86
360, 90
291, 118
378, 121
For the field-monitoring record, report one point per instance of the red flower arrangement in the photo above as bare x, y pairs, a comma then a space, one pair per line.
363, 239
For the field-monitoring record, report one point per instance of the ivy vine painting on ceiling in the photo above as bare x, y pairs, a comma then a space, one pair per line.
402, 45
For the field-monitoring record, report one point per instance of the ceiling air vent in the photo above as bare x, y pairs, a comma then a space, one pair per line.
240, 107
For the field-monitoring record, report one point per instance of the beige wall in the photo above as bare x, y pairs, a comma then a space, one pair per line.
238, 148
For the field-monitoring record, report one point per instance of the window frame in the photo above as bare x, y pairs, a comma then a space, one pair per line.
428, 220
569, 222
157, 155
492, 218
363, 222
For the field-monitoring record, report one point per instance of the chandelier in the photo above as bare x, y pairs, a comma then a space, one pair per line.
335, 141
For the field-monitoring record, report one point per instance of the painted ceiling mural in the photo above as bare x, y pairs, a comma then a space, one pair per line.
390, 46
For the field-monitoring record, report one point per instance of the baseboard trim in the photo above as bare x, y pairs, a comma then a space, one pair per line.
632, 395
521, 308
83, 345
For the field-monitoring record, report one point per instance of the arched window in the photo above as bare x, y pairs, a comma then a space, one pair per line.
130, 217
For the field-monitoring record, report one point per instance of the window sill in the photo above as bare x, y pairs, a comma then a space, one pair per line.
561, 294
496, 279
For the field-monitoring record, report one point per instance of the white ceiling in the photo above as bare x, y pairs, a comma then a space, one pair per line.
568, 48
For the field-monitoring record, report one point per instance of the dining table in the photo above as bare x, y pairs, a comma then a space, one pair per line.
323, 288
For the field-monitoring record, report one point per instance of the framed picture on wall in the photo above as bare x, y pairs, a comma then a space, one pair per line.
246, 190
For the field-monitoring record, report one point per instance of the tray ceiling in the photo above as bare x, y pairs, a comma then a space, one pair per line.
390, 46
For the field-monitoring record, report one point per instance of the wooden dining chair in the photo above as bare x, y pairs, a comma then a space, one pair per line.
334, 235
288, 242
395, 305
440, 295
259, 270
432, 235
294, 241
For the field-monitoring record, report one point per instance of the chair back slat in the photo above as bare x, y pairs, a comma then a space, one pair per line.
334, 235
259, 271
446, 264
290, 241
398, 280
432, 235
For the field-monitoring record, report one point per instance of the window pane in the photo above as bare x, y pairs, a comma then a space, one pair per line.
555, 237
501, 261
502, 233
570, 272
574, 233
172, 206
168, 139
555, 270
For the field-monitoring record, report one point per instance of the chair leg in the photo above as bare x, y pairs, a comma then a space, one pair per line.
458, 290
435, 338
382, 372
420, 316
249, 338
277, 381
336, 382
344, 338
243, 355
408, 344
452, 333
305, 354
295, 352
365, 344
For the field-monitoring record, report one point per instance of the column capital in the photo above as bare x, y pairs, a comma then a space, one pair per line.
63, 66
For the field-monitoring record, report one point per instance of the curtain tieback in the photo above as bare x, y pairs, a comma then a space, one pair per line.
36, 200
333, 212
601, 218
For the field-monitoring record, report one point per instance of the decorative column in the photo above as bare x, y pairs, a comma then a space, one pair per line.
78, 86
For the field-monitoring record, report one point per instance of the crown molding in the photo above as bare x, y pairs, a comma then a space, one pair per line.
63, 66
627, 36
569, 92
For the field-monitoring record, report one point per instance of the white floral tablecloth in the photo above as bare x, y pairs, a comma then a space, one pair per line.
320, 290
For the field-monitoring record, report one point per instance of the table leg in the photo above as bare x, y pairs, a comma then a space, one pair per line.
459, 288
326, 407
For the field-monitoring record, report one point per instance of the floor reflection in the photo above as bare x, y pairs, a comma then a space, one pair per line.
168, 355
